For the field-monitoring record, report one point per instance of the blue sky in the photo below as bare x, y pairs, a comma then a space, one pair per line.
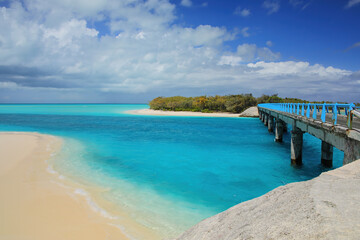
135, 50
315, 31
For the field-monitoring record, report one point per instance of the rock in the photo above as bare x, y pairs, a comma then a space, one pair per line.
326, 207
250, 112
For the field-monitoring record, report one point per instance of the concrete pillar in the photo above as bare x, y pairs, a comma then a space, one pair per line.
279, 129
285, 127
260, 115
326, 154
266, 119
271, 124
296, 146
352, 151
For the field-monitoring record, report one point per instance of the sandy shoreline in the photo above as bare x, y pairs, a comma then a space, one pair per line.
250, 112
35, 204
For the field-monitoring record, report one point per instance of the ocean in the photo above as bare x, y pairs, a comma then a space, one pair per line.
167, 173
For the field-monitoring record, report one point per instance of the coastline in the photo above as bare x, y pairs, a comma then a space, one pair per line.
250, 112
38, 203
320, 208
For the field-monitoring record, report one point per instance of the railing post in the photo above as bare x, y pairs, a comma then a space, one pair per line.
314, 112
334, 116
308, 110
350, 116
323, 113
302, 109
298, 109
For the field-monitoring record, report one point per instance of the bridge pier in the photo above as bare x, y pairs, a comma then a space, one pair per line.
285, 129
352, 151
326, 154
266, 119
296, 146
340, 132
271, 124
279, 129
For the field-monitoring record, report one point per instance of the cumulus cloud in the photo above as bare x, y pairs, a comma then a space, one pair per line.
352, 3
243, 12
186, 3
269, 43
272, 6
52, 50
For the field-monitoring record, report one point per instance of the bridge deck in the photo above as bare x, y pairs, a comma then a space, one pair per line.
341, 120
338, 135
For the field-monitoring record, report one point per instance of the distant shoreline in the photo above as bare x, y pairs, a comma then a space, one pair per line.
250, 112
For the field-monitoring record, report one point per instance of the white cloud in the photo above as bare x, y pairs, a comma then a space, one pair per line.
269, 43
355, 45
250, 53
273, 6
245, 32
51, 50
230, 60
242, 12
186, 3
352, 3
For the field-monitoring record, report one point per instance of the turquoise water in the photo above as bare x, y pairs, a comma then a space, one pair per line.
169, 172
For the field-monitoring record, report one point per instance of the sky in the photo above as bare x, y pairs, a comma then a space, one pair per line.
131, 51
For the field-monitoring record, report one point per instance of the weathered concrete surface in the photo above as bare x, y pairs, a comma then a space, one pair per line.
338, 136
279, 130
326, 207
250, 112
296, 146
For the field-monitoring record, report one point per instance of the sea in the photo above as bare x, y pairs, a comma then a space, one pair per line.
168, 172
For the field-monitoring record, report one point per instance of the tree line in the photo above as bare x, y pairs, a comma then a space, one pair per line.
228, 103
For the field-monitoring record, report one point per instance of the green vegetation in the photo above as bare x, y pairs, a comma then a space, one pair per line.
228, 103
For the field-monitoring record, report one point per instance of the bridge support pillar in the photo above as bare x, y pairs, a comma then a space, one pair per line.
352, 151
296, 146
266, 119
285, 129
326, 154
271, 124
279, 129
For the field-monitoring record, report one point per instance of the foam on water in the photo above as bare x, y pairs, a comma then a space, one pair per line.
167, 173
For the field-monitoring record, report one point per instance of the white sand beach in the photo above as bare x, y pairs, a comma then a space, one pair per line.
35, 205
249, 113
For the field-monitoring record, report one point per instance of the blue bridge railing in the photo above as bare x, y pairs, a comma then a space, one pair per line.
311, 110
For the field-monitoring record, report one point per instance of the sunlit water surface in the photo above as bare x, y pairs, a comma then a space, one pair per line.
169, 172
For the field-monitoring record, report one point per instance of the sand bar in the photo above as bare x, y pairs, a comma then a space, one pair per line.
34, 204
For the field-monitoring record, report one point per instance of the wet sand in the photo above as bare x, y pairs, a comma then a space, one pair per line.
36, 205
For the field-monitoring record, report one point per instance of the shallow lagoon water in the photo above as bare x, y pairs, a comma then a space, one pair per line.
168, 172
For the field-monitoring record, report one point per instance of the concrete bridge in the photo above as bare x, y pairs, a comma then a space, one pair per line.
337, 125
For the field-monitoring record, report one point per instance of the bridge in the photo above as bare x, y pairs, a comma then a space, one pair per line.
337, 125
